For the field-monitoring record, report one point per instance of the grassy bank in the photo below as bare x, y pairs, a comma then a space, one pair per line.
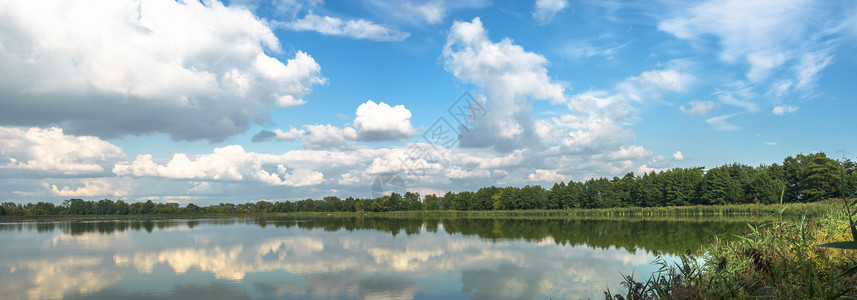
779, 259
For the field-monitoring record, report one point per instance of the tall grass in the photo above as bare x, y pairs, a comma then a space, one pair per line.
779, 259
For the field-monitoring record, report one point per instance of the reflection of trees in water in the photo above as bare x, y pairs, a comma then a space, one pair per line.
668, 236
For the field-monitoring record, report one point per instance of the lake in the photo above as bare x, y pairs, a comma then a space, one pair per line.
339, 258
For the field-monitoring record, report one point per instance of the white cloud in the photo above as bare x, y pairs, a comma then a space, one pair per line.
348, 179
357, 29
329, 137
199, 70
229, 163
586, 49
625, 153
52, 151
278, 134
290, 8
432, 12
546, 10
728, 99
382, 122
540, 175
667, 79
645, 169
810, 65
595, 129
458, 172
721, 123
765, 34
90, 188
698, 108
783, 109
771, 143
678, 156
511, 77
374, 122
298, 177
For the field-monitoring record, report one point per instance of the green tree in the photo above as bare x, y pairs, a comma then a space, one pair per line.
105, 207
507, 198
764, 188
449, 201
431, 202
147, 208
192, 208
714, 189
412, 201
77, 207
821, 176
120, 207
394, 203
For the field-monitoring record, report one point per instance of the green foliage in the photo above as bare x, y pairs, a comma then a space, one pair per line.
779, 260
431, 202
715, 187
849, 197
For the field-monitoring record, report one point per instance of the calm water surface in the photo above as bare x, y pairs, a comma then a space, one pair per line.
337, 258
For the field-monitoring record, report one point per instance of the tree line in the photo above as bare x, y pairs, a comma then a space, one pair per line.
799, 178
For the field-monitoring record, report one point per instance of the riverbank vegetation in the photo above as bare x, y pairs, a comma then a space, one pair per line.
798, 179
780, 259
804, 259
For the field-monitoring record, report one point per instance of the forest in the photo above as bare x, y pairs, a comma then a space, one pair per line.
800, 178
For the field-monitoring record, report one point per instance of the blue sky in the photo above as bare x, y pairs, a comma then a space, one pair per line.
248, 100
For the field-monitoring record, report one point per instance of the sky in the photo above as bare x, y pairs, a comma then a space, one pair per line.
248, 100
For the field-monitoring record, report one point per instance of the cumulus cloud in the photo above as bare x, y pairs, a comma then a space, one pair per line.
677, 156
458, 172
357, 29
374, 122
90, 188
510, 75
199, 70
329, 137
382, 122
229, 163
698, 108
278, 134
546, 10
625, 153
783, 109
540, 175
52, 151
594, 127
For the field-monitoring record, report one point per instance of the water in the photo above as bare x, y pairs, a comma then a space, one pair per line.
338, 258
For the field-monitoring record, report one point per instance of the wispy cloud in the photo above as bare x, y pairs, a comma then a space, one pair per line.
545, 10
783, 109
720, 122
698, 108
779, 40
577, 49
357, 29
